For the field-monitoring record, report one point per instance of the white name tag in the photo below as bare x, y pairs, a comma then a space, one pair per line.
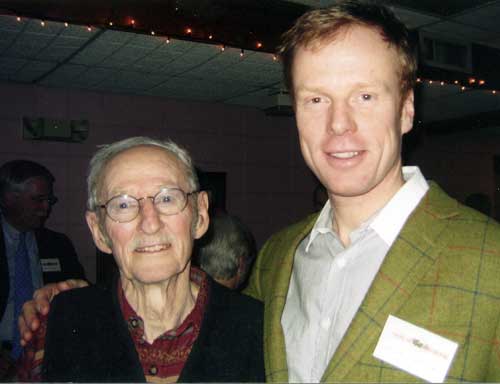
50, 265
415, 350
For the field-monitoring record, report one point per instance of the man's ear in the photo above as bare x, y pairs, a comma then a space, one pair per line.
203, 218
407, 113
99, 238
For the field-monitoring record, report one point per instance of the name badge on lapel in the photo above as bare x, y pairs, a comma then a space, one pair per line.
415, 350
50, 265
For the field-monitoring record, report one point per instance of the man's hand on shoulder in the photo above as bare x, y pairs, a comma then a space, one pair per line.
29, 321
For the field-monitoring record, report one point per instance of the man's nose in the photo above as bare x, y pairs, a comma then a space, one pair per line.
150, 221
341, 118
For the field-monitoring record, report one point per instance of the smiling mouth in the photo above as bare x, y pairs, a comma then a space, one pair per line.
345, 155
153, 248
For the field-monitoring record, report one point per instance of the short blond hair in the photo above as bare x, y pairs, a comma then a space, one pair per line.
321, 26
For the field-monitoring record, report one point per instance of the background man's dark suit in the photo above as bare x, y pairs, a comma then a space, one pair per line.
51, 245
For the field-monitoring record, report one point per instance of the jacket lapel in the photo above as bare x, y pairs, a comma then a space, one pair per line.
274, 340
414, 252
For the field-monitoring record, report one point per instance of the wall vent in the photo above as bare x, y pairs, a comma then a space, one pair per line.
444, 53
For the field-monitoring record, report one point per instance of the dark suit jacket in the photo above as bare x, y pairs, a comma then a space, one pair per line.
51, 245
88, 340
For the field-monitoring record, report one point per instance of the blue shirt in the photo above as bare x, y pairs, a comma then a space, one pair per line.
11, 241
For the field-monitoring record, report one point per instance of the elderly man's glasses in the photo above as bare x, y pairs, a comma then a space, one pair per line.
168, 202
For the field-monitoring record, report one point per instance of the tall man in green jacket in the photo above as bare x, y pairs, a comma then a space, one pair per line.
389, 251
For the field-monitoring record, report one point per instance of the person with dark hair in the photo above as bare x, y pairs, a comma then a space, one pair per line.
393, 281
161, 320
227, 251
30, 255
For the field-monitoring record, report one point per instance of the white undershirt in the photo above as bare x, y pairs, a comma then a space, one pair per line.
329, 281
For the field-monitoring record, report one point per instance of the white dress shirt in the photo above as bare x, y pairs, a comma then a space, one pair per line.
329, 282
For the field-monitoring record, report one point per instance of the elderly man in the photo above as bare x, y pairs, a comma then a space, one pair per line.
389, 251
30, 255
162, 321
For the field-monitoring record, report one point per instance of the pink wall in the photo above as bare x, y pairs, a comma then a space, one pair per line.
268, 185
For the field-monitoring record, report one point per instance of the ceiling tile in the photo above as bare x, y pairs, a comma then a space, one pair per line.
10, 24
28, 46
95, 53
115, 37
413, 19
94, 76
78, 32
7, 38
145, 41
460, 32
60, 49
485, 18
9, 65
33, 71
63, 75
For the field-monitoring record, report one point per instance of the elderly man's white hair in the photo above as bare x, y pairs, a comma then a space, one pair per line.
105, 154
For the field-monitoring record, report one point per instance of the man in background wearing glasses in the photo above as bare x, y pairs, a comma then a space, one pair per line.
30, 255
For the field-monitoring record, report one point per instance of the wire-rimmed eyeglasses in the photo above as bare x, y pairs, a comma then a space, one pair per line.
125, 208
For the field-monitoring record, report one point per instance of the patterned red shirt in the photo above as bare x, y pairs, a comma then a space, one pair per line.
162, 361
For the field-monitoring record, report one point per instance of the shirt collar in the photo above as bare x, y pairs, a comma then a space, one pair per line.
388, 221
194, 318
392, 217
323, 224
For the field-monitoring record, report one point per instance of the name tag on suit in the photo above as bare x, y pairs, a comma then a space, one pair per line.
415, 350
50, 265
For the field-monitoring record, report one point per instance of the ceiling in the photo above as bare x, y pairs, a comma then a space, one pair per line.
219, 60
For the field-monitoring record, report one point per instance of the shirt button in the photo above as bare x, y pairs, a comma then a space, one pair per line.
341, 262
325, 323
134, 323
153, 370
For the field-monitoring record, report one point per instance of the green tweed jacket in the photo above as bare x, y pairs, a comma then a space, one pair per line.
442, 273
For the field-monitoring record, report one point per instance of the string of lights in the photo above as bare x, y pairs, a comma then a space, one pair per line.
168, 40
471, 84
